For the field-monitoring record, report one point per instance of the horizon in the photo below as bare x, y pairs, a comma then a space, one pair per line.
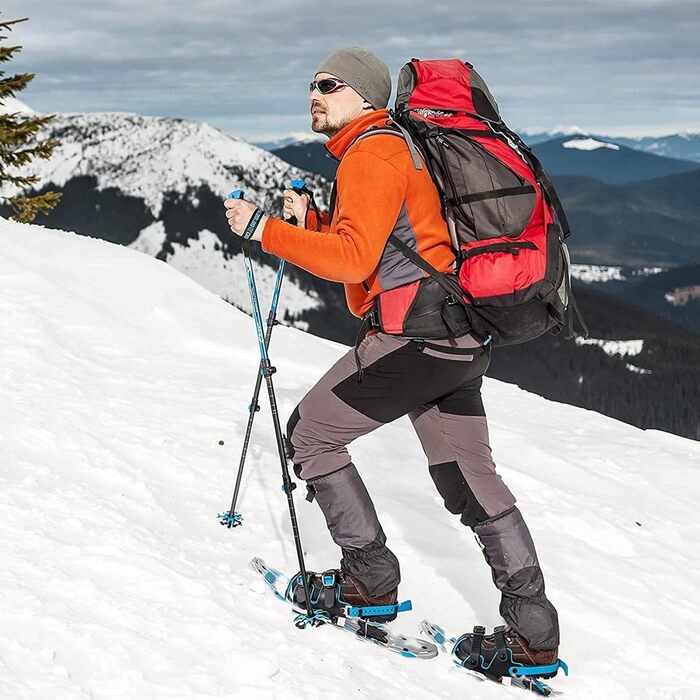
628, 69
559, 129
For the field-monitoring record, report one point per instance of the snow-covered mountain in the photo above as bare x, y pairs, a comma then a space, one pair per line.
157, 184
606, 160
684, 145
10, 105
120, 377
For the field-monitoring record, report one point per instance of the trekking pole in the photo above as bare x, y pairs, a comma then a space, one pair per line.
232, 518
267, 370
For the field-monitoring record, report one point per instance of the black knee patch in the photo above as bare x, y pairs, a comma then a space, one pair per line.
458, 497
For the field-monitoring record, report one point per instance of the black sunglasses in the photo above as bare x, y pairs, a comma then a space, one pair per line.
327, 85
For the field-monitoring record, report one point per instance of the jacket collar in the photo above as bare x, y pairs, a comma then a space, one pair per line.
339, 144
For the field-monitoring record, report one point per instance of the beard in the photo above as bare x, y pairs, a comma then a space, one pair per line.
321, 124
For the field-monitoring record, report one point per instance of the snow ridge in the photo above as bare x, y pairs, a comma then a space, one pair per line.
148, 157
121, 378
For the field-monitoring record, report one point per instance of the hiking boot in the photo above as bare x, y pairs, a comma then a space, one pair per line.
335, 592
504, 653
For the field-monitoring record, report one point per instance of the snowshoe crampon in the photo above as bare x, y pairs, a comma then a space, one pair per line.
351, 621
497, 657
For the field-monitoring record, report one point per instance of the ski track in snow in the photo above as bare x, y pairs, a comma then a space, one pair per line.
119, 376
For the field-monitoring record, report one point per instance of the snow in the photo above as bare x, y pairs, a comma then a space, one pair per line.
203, 260
613, 347
596, 273
589, 145
151, 239
10, 105
588, 274
119, 377
681, 296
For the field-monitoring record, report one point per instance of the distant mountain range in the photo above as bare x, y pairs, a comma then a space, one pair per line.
652, 223
606, 161
684, 145
582, 155
157, 185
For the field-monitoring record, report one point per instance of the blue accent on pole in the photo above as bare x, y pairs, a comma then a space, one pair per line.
298, 184
236, 194
231, 520
318, 617
276, 291
379, 610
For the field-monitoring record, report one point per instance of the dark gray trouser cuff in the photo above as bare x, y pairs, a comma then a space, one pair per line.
375, 566
525, 607
510, 552
354, 526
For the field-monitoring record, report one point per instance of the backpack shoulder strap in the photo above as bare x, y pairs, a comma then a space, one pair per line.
399, 131
542, 177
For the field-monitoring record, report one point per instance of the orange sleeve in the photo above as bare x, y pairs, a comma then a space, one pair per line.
371, 193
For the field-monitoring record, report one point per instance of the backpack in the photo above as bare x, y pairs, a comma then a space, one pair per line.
505, 220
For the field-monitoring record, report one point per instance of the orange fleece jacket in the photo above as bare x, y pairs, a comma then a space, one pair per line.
375, 178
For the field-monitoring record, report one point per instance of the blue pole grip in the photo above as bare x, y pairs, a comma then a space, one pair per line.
298, 184
236, 194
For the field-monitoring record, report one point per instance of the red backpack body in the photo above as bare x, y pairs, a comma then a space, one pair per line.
505, 220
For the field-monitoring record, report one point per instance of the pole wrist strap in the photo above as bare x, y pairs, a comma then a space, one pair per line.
252, 224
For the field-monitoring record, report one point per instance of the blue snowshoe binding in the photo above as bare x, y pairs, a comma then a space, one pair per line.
337, 594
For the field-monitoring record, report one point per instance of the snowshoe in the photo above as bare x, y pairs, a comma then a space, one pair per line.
503, 656
504, 653
361, 628
338, 594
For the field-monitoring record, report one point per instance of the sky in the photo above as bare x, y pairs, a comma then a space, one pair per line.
629, 67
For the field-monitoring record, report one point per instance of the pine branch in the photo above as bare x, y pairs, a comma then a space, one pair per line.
28, 207
8, 25
19, 181
15, 83
18, 146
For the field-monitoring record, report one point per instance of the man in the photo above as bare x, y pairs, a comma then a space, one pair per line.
436, 379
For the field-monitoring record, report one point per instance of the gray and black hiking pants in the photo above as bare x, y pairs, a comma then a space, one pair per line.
438, 384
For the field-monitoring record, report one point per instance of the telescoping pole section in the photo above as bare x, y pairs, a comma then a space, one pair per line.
266, 371
233, 518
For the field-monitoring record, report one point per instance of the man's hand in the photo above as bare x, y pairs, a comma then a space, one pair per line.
296, 205
238, 213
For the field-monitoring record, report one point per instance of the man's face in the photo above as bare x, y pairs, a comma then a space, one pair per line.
331, 112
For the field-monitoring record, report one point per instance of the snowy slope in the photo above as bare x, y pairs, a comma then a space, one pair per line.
167, 166
119, 378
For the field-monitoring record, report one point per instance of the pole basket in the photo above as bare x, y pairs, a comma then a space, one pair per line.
230, 520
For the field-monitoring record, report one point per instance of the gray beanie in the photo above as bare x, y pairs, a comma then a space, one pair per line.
363, 71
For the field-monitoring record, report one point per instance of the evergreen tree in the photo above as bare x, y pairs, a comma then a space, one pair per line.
18, 144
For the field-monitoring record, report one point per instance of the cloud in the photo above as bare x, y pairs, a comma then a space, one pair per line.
245, 66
